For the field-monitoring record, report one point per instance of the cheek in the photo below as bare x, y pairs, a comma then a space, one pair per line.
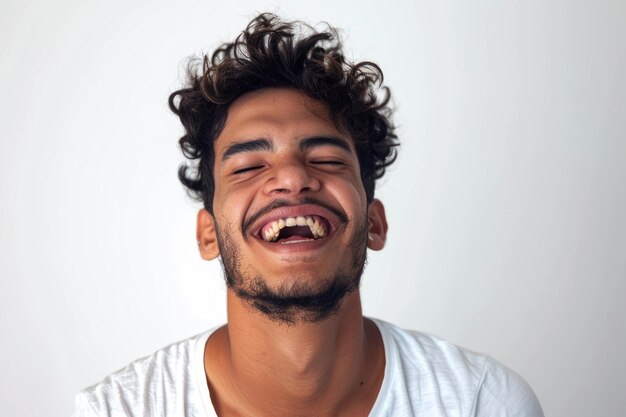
224, 205
350, 194
233, 205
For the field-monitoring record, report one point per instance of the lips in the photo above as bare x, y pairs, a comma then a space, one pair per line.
307, 227
295, 224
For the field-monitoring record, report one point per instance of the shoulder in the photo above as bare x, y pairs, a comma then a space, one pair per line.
431, 356
141, 387
452, 377
504, 393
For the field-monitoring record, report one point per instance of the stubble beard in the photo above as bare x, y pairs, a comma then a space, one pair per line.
298, 300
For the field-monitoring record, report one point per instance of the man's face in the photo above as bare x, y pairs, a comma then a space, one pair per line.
290, 211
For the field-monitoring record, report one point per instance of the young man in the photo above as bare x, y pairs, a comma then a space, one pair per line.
289, 140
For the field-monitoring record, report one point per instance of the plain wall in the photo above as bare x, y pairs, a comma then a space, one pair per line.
506, 205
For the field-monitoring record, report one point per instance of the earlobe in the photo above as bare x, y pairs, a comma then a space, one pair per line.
207, 236
377, 225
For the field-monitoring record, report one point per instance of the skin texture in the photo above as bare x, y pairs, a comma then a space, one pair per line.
300, 363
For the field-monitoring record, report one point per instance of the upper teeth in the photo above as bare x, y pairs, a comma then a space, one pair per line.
272, 230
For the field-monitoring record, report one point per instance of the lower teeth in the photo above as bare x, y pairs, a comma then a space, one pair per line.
286, 242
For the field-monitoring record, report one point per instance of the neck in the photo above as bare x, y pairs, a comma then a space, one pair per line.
267, 367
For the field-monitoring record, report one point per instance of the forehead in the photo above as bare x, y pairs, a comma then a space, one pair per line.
283, 115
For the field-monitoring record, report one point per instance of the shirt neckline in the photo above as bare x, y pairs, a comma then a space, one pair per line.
202, 384
390, 361
205, 394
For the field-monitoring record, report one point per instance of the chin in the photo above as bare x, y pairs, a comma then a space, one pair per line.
297, 298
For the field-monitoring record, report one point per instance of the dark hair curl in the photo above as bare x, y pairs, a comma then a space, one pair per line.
269, 54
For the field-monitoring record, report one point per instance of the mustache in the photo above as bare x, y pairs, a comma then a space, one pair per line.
343, 218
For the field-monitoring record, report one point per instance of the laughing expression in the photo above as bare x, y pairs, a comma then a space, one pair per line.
289, 207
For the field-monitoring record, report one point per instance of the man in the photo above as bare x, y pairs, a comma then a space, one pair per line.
289, 140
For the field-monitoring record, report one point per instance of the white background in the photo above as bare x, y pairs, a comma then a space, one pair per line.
506, 206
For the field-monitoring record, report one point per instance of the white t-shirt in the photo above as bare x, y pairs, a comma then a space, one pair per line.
424, 376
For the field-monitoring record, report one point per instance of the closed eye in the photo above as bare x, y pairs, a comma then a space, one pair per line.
247, 169
329, 162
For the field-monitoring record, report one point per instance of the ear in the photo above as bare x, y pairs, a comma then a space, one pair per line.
206, 236
377, 225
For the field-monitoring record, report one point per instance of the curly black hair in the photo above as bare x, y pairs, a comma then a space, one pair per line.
272, 53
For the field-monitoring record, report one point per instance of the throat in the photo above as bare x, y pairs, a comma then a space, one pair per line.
295, 233
317, 367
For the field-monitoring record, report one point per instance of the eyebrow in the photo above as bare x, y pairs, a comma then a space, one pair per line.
248, 146
266, 145
316, 141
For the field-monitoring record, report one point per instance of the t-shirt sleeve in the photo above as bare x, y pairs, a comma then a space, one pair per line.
83, 407
503, 393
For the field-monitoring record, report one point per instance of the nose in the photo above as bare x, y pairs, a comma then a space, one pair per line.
291, 179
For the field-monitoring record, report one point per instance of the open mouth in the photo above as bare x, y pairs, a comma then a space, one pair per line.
295, 229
